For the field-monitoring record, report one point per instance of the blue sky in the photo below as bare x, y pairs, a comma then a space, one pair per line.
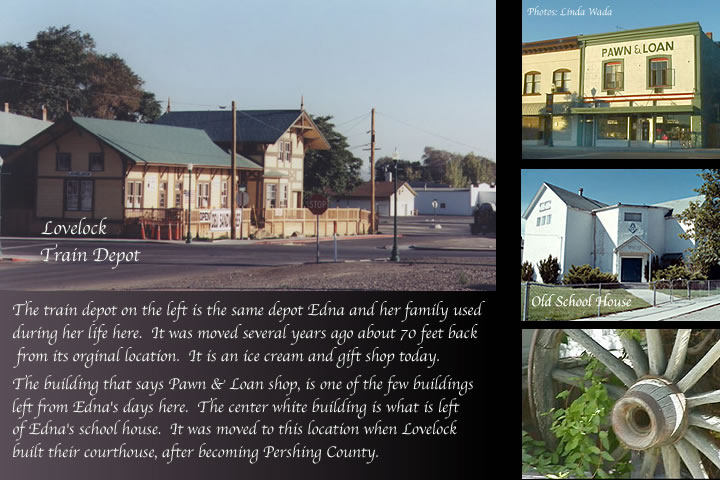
639, 187
421, 63
626, 14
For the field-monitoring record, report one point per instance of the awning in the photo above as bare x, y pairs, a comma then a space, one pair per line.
659, 110
539, 108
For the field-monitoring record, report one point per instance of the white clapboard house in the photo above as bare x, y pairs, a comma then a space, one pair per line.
621, 239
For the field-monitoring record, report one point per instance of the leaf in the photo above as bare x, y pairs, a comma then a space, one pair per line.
607, 456
563, 394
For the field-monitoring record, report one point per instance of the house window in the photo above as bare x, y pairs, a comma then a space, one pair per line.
178, 195
63, 161
203, 195
78, 195
283, 196
659, 72
224, 200
284, 152
538, 221
532, 83
561, 80
134, 194
271, 196
548, 219
633, 217
162, 195
96, 162
613, 75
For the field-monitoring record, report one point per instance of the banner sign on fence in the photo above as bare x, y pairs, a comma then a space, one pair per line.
220, 220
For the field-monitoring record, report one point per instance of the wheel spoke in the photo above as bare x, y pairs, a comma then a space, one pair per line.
614, 364
650, 461
703, 442
691, 458
700, 368
636, 354
701, 420
671, 461
656, 353
576, 378
679, 352
703, 398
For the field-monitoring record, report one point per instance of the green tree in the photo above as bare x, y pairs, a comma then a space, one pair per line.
703, 221
337, 169
478, 169
453, 174
60, 70
407, 171
436, 162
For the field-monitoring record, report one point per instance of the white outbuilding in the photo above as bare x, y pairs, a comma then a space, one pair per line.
384, 198
621, 239
452, 201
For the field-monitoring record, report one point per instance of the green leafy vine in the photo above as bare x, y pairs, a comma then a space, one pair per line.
585, 441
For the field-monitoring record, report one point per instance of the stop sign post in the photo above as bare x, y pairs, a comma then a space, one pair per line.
317, 204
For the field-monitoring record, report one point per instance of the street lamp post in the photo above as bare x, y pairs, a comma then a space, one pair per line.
394, 257
190, 169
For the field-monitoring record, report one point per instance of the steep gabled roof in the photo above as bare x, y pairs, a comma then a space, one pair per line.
16, 129
574, 200
571, 199
254, 126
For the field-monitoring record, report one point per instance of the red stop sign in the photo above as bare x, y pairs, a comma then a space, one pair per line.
317, 204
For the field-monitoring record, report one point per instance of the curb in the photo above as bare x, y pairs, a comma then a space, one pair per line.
459, 249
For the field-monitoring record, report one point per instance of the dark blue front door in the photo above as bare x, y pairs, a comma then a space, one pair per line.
631, 270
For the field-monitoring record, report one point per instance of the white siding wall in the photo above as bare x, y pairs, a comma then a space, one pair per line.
544, 240
578, 249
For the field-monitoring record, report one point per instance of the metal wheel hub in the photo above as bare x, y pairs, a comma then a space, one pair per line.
653, 412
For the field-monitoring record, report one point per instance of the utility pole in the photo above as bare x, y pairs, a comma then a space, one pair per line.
233, 186
372, 172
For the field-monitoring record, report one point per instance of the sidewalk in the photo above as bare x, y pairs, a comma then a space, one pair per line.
658, 313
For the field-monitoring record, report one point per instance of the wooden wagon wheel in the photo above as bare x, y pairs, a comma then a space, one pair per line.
661, 409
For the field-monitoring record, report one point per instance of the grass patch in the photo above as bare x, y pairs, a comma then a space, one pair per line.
565, 303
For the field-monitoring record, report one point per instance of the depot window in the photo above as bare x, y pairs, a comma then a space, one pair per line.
612, 127
660, 72
613, 75
134, 190
96, 162
203, 195
561, 80
78, 195
63, 161
532, 83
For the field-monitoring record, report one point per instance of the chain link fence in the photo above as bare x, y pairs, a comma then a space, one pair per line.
539, 301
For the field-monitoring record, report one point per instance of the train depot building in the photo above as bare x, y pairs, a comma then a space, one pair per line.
646, 88
142, 180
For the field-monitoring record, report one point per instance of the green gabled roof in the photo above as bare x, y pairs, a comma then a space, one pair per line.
160, 144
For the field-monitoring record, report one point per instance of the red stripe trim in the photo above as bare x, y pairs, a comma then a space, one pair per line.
644, 95
661, 99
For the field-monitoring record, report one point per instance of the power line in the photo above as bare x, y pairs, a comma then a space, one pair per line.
430, 132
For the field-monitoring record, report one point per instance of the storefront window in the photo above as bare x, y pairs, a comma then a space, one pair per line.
612, 127
532, 127
672, 127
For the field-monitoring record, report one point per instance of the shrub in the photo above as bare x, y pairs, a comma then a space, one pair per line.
585, 274
549, 269
526, 272
676, 272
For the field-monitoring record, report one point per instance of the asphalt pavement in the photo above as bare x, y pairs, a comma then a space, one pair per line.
29, 263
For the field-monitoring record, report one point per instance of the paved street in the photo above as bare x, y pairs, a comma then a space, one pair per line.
616, 153
172, 260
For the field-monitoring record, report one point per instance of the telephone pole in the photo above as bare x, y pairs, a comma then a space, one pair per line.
233, 187
372, 172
